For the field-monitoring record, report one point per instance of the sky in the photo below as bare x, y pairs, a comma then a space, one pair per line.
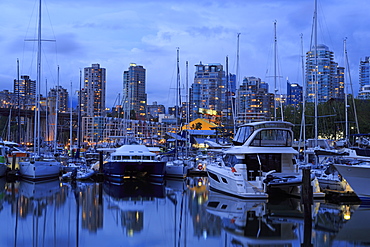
116, 33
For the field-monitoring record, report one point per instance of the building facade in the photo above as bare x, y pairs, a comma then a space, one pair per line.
254, 102
61, 94
324, 78
208, 92
93, 91
154, 110
25, 89
294, 94
364, 79
134, 91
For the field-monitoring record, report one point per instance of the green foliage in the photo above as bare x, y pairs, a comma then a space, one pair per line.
331, 118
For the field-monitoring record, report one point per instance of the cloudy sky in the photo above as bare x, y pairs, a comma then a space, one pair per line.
115, 33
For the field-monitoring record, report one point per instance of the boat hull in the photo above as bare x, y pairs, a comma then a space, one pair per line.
223, 179
39, 169
177, 169
358, 178
116, 171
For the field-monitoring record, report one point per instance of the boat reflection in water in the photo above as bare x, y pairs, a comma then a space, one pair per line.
356, 232
175, 213
278, 222
36, 203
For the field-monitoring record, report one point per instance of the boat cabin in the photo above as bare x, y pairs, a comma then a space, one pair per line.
270, 134
133, 153
263, 147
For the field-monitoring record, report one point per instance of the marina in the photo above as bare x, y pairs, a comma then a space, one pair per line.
230, 166
178, 212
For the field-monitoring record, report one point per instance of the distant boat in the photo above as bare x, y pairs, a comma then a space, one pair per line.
79, 173
182, 162
133, 161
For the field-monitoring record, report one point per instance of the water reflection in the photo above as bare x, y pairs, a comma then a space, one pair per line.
175, 213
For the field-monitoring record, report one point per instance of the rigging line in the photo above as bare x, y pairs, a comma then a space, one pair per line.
52, 30
30, 69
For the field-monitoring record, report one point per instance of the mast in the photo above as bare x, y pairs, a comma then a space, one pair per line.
79, 118
353, 99
345, 97
227, 91
275, 90
70, 123
187, 108
316, 81
38, 82
303, 122
236, 110
56, 114
178, 100
178, 95
19, 109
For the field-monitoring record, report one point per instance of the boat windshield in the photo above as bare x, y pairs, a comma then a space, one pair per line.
272, 138
231, 160
242, 134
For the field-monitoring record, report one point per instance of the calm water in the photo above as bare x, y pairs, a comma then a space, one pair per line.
178, 213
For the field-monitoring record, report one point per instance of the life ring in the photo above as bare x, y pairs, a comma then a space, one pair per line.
200, 167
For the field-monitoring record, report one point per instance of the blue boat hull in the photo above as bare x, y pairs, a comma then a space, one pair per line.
117, 171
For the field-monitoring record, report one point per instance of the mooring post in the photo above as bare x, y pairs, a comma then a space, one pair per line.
307, 201
14, 157
100, 161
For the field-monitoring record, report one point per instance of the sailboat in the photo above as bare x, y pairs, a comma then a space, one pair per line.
320, 153
181, 164
37, 166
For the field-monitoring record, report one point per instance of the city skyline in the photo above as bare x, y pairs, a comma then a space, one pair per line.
116, 34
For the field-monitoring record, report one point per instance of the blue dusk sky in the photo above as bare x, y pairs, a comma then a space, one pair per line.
115, 33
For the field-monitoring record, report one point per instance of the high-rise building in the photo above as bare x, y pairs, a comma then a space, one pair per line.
155, 109
254, 102
364, 78
208, 92
324, 77
93, 91
294, 94
25, 88
62, 95
134, 91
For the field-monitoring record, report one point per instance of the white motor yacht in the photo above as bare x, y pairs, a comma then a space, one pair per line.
261, 163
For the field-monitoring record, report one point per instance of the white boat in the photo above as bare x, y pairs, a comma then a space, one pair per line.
79, 173
358, 177
261, 162
39, 168
133, 161
178, 168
